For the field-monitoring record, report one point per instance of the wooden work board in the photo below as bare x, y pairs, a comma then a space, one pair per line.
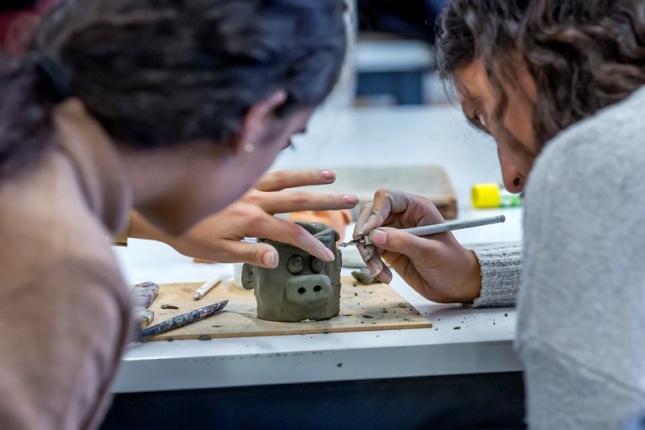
362, 308
427, 180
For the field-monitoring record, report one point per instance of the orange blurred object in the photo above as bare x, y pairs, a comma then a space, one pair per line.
339, 220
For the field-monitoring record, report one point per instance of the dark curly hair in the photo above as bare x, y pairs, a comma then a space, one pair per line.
583, 55
157, 73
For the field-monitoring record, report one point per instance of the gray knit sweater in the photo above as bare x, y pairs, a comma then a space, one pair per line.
581, 305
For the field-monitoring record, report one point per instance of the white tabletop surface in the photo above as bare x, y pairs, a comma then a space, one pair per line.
481, 343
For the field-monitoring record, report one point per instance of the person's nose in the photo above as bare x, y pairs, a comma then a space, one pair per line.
514, 180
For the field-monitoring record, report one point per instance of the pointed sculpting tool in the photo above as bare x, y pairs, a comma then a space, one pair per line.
427, 230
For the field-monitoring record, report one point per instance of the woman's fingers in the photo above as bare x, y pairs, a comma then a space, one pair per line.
376, 265
385, 204
294, 201
277, 229
364, 214
374, 214
283, 179
385, 276
400, 242
258, 254
269, 194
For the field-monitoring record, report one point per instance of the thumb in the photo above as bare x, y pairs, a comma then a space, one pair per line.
266, 256
257, 254
396, 240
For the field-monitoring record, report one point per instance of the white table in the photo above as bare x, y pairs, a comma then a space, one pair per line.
481, 344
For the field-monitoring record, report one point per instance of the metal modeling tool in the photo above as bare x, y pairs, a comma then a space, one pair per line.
180, 321
427, 230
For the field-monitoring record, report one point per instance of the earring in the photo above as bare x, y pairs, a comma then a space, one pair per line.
248, 148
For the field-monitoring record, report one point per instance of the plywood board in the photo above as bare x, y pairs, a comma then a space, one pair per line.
363, 307
427, 180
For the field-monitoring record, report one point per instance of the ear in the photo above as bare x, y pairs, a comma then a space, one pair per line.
257, 119
248, 276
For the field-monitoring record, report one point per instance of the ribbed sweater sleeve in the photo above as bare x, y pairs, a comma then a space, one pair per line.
500, 271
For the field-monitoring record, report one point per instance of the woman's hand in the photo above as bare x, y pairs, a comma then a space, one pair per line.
219, 237
436, 266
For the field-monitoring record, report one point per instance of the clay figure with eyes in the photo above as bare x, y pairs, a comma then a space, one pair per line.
302, 287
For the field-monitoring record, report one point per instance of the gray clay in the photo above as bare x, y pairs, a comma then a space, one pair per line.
302, 287
365, 277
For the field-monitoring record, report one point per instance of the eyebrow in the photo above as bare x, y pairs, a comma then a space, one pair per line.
472, 120
477, 104
476, 101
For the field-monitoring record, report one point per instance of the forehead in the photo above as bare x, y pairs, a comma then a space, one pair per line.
472, 84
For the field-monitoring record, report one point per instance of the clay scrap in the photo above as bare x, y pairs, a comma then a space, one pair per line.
364, 276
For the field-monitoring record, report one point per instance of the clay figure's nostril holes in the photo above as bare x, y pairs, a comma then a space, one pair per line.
317, 289
301, 290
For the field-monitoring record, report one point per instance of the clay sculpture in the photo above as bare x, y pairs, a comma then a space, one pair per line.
302, 287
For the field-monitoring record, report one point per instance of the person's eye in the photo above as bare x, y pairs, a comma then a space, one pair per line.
481, 120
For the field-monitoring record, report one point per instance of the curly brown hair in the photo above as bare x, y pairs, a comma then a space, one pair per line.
583, 55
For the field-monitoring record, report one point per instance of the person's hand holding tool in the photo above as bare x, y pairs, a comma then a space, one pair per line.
437, 266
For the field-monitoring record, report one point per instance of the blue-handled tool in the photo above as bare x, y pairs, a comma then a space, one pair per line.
180, 320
